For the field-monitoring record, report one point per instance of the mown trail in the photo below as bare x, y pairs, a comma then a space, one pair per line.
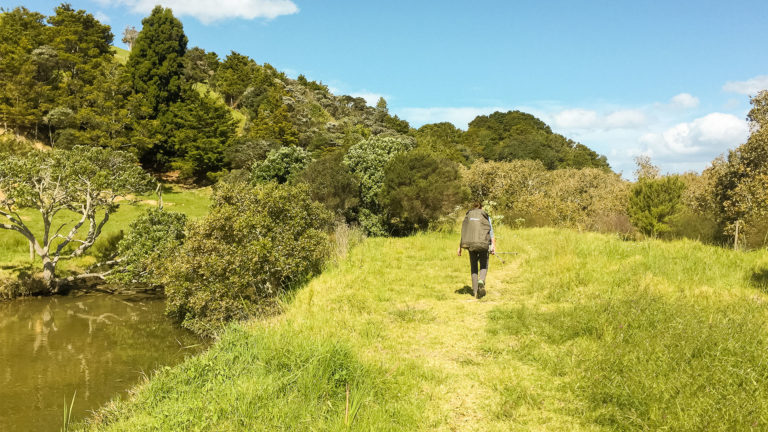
408, 302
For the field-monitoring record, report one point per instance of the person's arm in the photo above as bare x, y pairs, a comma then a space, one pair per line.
459, 252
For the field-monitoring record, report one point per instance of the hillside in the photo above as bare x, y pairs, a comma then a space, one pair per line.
578, 332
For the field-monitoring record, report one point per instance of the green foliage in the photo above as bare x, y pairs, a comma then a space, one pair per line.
332, 183
587, 198
156, 63
198, 129
518, 135
368, 160
418, 188
445, 139
255, 243
653, 202
199, 65
234, 76
154, 236
281, 165
740, 186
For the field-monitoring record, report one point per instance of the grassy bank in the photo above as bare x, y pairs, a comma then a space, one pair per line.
14, 248
578, 332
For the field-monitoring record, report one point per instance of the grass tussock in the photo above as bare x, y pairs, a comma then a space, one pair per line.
578, 332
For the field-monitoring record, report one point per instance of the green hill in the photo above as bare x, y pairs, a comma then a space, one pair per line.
579, 332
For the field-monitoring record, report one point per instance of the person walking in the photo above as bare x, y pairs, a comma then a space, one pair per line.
477, 237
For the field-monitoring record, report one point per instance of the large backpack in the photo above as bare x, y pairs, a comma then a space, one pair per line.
476, 231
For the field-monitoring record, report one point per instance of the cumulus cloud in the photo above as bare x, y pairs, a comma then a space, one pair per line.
684, 100
708, 135
210, 11
583, 119
749, 87
576, 119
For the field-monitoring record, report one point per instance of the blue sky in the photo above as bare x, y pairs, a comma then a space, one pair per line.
668, 79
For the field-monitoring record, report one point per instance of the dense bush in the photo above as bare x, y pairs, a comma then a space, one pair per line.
256, 242
419, 187
280, 165
152, 237
333, 184
587, 198
368, 160
653, 202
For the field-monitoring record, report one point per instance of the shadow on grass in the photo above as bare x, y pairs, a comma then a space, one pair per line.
466, 289
759, 279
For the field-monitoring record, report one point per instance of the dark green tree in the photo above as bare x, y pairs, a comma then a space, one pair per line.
518, 135
25, 82
420, 187
156, 64
445, 139
198, 129
234, 76
333, 184
652, 202
280, 165
199, 65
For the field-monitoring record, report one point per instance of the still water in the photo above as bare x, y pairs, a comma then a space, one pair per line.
93, 346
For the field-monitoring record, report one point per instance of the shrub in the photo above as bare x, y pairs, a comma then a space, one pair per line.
653, 202
333, 184
256, 242
587, 198
154, 235
418, 188
368, 159
280, 165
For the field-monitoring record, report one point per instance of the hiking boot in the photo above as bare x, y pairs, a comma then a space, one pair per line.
480, 289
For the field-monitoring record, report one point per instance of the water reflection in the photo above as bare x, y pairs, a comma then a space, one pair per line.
95, 344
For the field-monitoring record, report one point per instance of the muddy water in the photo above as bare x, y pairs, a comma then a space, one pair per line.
92, 346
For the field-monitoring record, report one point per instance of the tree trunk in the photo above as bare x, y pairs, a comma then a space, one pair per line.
49, 274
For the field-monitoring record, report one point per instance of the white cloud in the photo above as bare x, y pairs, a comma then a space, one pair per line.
576, 119
584, 119
684, 100
706, 136
210, 11
102, 17
749, 87
370, 97
625, 119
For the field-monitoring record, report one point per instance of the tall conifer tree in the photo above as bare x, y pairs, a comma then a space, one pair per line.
155, 65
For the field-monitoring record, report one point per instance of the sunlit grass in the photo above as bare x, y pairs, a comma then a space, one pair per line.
579, 332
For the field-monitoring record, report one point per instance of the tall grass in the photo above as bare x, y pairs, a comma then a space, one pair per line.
579, 332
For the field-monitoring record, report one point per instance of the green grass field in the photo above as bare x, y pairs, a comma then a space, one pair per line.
579, 332
14, 248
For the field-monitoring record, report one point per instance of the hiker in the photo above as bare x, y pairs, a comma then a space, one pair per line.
477, 237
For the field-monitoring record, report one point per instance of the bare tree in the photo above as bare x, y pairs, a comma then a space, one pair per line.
78, 188
129, 36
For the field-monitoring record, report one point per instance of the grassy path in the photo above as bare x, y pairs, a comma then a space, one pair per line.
580, 332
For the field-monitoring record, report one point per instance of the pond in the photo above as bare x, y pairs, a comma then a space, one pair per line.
92, 346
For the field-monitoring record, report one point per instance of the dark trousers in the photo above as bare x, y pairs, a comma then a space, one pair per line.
478, 263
